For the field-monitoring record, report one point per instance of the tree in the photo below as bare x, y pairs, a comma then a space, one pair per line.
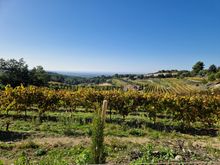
211, 77
116, 75
161, 75
183, 73
131, 77
212, 69
13, 72
141, 76
38, 76
198, 67
203, 72
217, 75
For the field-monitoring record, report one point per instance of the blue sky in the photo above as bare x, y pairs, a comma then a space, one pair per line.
111, 35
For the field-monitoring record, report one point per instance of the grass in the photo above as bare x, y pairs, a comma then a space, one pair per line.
64, 139
119, 82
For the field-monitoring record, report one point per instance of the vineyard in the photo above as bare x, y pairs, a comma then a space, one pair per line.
169, 85
188, 109
150, 85
53, 126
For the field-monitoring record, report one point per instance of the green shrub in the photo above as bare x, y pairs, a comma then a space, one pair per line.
150, 155
217, 75
22, 159
89, 132
166, 154
53, 160
98, 140
6, 146
44, 127
40, 152
211, 77
97, 148
70, 132
136, 132
84, 157
147, 156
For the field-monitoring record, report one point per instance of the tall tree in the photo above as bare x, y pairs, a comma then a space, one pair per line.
197, 67
38, 76
13, 72
212, 68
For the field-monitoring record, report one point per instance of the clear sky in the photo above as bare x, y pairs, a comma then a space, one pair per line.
111, 35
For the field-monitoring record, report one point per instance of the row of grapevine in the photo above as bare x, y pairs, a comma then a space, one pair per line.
189, 109
168, 85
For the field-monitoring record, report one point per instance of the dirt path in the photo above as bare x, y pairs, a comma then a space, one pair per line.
72, 141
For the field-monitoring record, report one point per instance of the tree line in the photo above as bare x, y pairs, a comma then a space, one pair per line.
213, 72
16, 72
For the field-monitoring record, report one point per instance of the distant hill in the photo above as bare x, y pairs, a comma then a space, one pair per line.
83, 74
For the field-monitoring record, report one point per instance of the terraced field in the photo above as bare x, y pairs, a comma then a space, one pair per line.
168, 85
120, 82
